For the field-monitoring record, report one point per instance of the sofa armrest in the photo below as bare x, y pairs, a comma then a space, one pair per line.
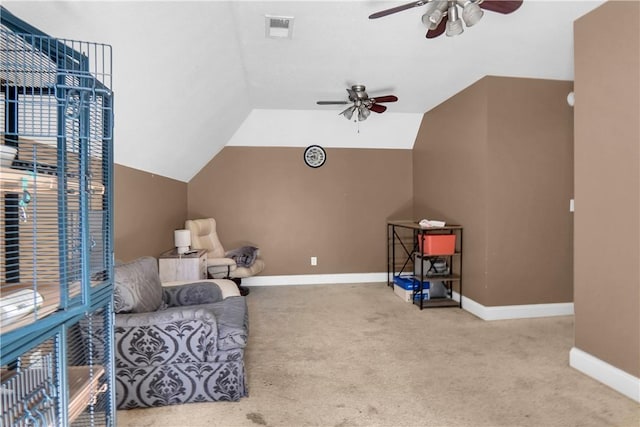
194, 293
228, 287
175, 335
232, 317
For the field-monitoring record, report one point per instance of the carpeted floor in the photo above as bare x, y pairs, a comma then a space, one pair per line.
356, 355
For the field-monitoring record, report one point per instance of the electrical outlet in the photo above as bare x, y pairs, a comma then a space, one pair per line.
314, 260
572, 206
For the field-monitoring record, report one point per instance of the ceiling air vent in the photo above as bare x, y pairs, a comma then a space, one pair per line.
278, 27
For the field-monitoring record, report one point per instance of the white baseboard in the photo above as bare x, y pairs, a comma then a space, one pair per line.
483, 312
617, 379
524, 311
315, 279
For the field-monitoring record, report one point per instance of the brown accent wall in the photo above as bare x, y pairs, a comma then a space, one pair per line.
147, 208
450, 173
529, 185
338, 212
607, 185
497, 159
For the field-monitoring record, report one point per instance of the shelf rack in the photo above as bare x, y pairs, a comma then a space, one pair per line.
402, 253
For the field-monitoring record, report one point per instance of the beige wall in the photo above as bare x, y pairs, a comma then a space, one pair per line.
607, 185
529, 185
147, 208
449, 164
270, 198
497, 159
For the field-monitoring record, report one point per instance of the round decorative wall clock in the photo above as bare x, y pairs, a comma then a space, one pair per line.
314, 156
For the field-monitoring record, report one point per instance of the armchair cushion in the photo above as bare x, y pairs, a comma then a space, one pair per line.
137, 286
221, 262
241, 272
220, 267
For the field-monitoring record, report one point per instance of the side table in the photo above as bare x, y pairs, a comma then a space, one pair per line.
173, 266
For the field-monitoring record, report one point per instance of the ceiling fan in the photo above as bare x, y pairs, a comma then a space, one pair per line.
361, 103
437, 10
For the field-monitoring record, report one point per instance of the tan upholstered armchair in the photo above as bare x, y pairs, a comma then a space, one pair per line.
221, 264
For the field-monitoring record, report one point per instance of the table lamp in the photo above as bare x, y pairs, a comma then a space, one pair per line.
182, 239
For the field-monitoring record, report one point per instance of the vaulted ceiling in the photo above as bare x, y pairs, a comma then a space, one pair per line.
192, 77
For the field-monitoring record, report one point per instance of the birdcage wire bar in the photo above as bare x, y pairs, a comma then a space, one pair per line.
56, 112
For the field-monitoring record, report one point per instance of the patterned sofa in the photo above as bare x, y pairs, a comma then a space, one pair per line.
176, 344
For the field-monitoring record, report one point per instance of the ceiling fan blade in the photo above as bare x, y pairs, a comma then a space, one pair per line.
432, 34
377, 108
501, 6
386, 98
332, 102
397, 9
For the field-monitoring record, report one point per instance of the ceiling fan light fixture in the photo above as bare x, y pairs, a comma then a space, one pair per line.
363, 113
361, 103
471, 12
454, 28
434, 14
348, 113
454, 24
436, 10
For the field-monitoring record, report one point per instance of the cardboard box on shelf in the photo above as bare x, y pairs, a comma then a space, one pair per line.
406, 295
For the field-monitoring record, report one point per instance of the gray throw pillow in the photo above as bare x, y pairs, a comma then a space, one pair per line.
137, 286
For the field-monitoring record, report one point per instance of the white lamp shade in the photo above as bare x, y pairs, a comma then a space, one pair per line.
182, 239
471, 14
454, 28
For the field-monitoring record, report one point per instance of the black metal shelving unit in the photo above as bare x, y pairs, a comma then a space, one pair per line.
403, 252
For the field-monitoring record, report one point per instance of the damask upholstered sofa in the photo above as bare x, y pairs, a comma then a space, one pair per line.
177, 344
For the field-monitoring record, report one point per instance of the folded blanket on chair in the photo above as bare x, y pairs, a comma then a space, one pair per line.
244, 256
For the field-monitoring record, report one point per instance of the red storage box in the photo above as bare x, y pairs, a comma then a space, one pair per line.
437, 244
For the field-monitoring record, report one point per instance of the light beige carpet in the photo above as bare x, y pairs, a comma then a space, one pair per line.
356, 355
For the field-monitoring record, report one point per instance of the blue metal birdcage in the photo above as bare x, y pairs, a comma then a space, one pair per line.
56, 271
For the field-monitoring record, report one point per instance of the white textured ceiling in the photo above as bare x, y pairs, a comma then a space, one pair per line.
188, 74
